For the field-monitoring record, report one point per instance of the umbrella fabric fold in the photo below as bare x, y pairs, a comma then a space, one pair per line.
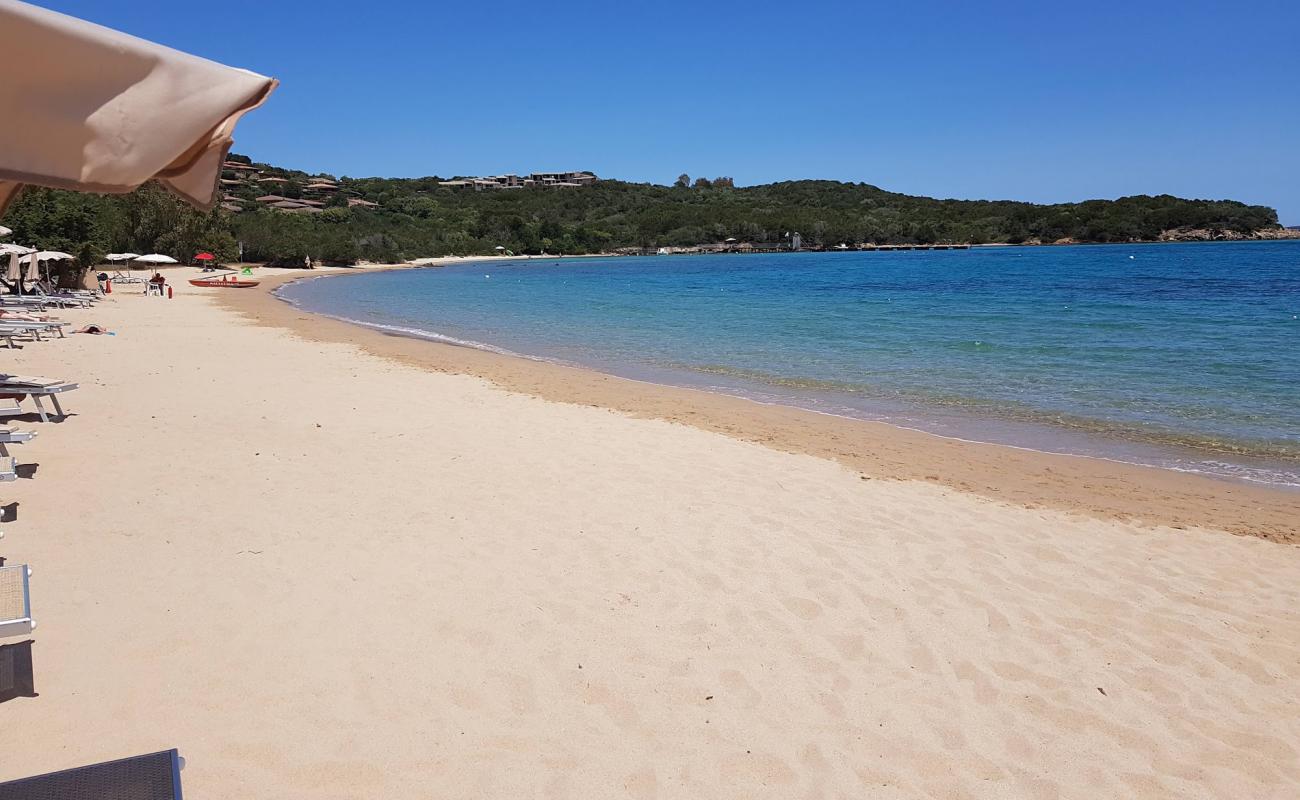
101, 111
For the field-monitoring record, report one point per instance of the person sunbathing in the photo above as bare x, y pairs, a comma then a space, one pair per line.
22, 316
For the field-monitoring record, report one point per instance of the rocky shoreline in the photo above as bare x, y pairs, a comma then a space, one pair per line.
1206, 235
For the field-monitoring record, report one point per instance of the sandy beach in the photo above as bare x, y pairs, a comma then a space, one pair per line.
329, 563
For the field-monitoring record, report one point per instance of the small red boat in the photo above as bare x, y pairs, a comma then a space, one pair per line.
226, 282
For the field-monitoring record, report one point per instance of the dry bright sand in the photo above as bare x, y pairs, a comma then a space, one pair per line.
326, 573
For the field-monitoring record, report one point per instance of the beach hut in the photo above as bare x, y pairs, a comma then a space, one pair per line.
173, 113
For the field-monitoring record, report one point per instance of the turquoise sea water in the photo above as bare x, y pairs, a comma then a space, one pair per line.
1185, 356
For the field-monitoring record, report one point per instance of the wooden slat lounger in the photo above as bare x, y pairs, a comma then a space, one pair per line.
156, 776
15, 601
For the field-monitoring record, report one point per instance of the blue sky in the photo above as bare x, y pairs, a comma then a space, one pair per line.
1037, 101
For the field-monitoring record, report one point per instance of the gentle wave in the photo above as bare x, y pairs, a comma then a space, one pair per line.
413, 333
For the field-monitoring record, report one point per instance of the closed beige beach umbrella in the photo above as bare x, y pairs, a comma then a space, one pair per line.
91, 109
15, 272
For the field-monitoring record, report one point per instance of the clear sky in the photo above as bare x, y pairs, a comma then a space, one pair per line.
1039, 101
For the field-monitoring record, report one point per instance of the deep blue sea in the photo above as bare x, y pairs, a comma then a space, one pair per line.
1185, 356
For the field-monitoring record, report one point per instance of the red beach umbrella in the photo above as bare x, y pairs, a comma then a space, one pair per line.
205, 257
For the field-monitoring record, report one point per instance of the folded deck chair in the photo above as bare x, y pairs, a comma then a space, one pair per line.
15, 601
156, 776
37, 387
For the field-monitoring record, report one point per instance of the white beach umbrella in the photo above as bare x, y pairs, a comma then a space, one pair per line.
121, 256
8, 249
5, 231
92, 109
46, 255
35, 259
155, 258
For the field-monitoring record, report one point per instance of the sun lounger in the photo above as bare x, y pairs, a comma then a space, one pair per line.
45, 325
24, 303
83, 299
11, 436
12, 328
15, 602
156, 776
36, 387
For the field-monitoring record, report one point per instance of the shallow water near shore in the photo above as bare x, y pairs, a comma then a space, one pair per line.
1183, 356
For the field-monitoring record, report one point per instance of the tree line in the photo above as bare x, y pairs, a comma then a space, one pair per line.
416, 217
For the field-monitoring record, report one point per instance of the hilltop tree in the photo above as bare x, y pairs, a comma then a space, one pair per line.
703, 183
683, 181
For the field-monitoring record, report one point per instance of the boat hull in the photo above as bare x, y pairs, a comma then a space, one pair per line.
217, 284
